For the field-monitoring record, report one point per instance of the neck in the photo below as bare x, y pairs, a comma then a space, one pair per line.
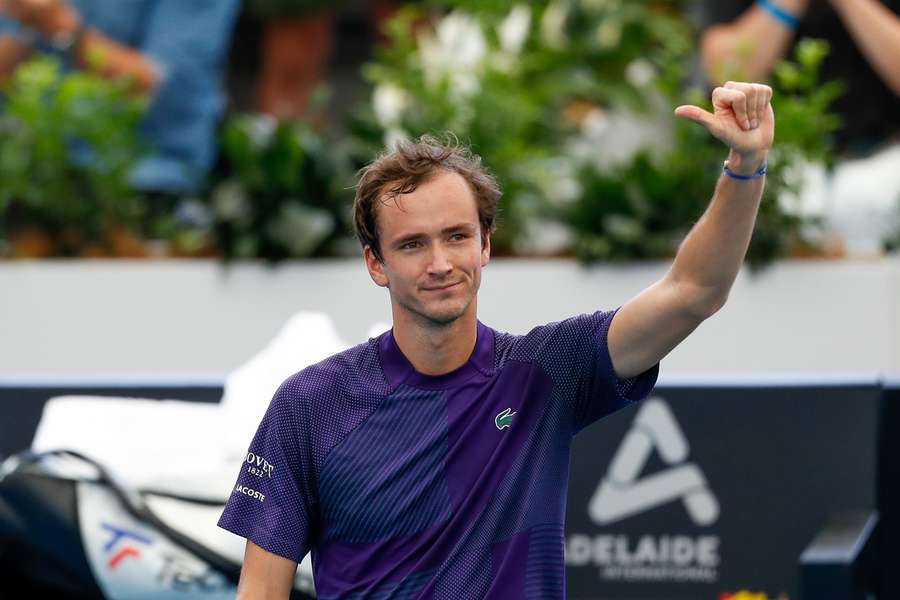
436, 349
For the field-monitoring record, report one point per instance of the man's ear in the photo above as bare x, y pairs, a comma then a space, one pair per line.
375, 267
486, 250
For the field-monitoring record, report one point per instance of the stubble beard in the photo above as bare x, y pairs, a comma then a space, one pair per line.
437, 318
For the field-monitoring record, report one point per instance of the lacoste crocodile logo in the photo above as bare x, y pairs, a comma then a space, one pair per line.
504, 419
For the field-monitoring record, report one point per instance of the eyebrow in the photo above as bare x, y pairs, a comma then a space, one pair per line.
414, 236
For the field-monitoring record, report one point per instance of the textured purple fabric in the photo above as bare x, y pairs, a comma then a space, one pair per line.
405, 485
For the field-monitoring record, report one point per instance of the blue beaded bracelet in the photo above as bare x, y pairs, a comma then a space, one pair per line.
759, 172
785, 17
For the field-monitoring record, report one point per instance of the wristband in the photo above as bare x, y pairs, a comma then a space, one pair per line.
759, 172
780, 14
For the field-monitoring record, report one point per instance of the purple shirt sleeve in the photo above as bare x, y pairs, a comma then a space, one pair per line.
272, 503
577, 349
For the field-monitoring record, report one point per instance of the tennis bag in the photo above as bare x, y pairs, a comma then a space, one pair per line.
69, 529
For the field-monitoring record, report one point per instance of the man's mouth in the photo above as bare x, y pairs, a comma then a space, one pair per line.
449, 286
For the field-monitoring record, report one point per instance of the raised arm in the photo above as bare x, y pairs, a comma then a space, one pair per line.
650, 325
876, 31
750, 45
265, 576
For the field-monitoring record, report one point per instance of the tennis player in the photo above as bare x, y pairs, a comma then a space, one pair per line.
432, 462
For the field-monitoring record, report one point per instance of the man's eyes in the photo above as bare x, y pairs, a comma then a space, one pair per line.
456, 237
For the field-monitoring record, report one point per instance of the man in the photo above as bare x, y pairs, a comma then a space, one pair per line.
172, 52
432, 461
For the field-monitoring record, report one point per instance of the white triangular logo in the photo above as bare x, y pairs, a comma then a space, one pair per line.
621, 494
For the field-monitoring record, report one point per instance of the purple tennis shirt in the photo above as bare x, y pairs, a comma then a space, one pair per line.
404, 485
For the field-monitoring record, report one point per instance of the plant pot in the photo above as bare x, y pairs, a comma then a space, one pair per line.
294, 54
32, 242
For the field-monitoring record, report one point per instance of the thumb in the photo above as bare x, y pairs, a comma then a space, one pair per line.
695, 114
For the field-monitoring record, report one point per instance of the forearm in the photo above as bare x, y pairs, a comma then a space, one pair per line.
108, 58
649, 325
265, 576
749, 46
711, 255
876, 31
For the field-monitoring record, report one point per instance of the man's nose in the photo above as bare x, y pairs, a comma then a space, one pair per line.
440, 260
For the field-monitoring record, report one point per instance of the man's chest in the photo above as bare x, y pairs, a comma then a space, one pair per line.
424, 457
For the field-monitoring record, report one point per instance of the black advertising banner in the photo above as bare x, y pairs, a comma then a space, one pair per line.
887, 576
703, 492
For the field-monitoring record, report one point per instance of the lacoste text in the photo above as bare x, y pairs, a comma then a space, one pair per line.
249, 492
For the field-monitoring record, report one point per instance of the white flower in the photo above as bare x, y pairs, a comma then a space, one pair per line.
460, 34
564, 188
568, 189
556, 177
465, 84
623, 227
193, 213
260, 127
230, 203
545, 237
454, 53
600, 5
389, 101
595, 124
640, 72
300, 228
503, 62
553, 24
594, 132
513, 31
608, 34
393, 136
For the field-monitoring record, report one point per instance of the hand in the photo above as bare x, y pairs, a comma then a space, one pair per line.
742, 117
49, 17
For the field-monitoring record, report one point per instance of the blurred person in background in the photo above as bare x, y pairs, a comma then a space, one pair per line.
172, 50
747, 38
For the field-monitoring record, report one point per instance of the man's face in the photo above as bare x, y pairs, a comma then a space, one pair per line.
432, 250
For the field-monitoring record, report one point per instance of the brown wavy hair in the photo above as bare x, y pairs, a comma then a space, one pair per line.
410, 164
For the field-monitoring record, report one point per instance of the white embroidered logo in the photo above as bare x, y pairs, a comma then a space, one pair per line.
259, 466
242, 489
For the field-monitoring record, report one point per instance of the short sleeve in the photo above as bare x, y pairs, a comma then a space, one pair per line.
272, 504
577, 350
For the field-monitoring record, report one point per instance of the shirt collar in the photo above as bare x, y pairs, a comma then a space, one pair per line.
398, 370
